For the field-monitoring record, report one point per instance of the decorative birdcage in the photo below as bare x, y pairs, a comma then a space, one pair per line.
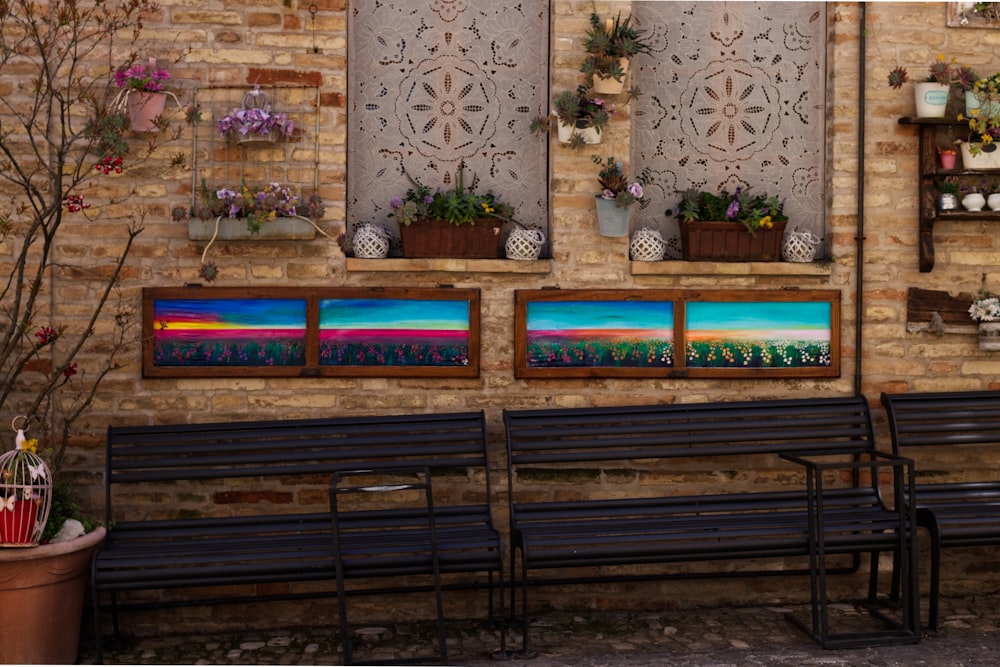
25, 492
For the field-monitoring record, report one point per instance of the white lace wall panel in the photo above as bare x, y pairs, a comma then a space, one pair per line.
733, 95
433, 84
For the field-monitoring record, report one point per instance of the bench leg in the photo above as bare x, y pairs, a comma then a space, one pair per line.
935, 583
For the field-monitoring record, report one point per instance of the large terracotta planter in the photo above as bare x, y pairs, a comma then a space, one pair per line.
433, 237
711, 240
41, 600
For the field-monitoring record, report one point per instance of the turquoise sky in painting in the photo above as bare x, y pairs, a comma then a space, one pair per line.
573, 315
758, 315
414, 314
231, 313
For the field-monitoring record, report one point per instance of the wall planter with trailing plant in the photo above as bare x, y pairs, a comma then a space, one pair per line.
610, 46
739, 227
455, 223
273, 212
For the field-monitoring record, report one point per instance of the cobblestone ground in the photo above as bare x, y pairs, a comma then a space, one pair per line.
723, 637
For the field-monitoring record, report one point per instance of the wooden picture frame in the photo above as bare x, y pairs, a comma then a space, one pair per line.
310, 332
636, 333
965, 15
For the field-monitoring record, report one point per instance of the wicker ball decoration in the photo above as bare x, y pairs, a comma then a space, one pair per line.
647, 245
25, 494
371, 242
524, 244
800, 246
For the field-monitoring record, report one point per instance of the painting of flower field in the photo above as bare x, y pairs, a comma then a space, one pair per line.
310, 332
229, 332
393, 332
727, 334
608, 334
676, 333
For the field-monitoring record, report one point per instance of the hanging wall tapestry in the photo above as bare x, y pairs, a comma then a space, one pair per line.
303, 332
677, 333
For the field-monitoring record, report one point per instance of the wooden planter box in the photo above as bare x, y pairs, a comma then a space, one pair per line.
710, 240
433, 237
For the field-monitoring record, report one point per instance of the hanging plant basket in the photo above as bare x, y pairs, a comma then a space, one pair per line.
434, 237
721, 241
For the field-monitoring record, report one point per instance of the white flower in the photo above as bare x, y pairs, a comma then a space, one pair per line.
985, 309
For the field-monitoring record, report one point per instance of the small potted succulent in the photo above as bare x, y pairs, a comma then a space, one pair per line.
610, 46
614, 201
577, 116
932, 93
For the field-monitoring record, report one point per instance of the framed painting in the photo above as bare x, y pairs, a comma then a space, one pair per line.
310, 332
677, 333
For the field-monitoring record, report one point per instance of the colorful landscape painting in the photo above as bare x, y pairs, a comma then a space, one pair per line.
771, 334
608, 334
229, 332
394, 332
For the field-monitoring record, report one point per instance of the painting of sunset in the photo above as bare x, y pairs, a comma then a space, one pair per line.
788, 334
595, 334
229, 332
394, 332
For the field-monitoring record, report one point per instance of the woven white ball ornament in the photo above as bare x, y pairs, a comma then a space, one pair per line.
800, 246
371, 242
647, 245
524, 244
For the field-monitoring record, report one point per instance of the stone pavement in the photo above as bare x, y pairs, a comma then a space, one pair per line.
714, 637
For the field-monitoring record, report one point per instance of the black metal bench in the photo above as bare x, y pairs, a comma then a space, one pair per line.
755, 447
955, 513
284, 467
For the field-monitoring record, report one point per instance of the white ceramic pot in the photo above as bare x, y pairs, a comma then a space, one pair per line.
589, 134
982, 160
993, 201
931, 99
974, 201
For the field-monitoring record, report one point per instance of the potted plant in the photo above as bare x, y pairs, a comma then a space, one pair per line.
141, 94
255, 121
979, 151
985, 310
457, 222
947, 194
274, 211
931, 94
614, 201
579, 118
610, 45
55, 147
730, 227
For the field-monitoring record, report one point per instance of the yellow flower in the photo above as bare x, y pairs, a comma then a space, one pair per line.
486, 208
766, 222
30, 445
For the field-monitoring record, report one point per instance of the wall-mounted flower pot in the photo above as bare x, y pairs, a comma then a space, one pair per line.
983, 159
612, 220
235, 229
931, 98
433, 237
144, 109
610, 85
722, 241
589, 134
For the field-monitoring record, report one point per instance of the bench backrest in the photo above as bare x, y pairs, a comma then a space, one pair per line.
942, 419
143, 455
581, 435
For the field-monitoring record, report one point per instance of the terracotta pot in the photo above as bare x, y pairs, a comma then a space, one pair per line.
41, 600
433, 237
712, 240
144, 109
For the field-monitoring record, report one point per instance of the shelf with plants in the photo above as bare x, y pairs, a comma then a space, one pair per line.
255, 167
935, 134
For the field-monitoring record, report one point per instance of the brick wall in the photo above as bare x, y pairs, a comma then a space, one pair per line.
272, 40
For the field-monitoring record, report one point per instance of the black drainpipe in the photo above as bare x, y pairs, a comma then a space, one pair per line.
860, 238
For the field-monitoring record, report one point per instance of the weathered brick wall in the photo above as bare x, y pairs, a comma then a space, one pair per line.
213, 42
